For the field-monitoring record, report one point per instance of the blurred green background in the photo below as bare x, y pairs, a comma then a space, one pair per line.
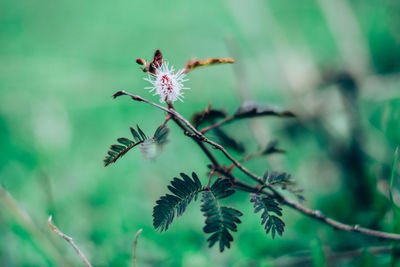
60, 62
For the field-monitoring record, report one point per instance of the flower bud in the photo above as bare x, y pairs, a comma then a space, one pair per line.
141, 61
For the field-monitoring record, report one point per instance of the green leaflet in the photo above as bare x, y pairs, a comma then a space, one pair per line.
272, 223
183, 192
148, 146
220, 220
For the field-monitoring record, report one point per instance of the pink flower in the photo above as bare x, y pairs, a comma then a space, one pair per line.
167, 84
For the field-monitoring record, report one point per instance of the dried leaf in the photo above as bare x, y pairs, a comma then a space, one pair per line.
194, 64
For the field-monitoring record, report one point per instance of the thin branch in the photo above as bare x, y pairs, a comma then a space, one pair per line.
176, 117
170, 111
198, 142
260, 153
167, 118
315, 214
217, 124
69, 240
134, 246
210, 177
249, 114
196, 134
199, 138
249, 157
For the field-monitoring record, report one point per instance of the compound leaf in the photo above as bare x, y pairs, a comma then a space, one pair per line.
161, 134
272, 223
118, 150
219, 219
222, 188
183, 192
148, 146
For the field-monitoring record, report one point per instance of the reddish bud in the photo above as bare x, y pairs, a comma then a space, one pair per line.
140, 61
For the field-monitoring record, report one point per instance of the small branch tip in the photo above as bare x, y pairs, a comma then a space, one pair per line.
134, 246
69, 240
119, 93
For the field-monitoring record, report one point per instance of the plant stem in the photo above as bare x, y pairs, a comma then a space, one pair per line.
199, 138
134, 246
217, 124
210, 177
69, 240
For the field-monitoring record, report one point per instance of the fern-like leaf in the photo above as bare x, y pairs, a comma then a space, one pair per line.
272, 222
219, 219
161, 134
148, 146
183, 191
125, 144
222, 188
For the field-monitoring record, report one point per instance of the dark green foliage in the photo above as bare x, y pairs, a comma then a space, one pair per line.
161, 134
222, 188
147, 145
183, 191
142, 135
117, 151
135, 134
273, 223
219, 219
252, 109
